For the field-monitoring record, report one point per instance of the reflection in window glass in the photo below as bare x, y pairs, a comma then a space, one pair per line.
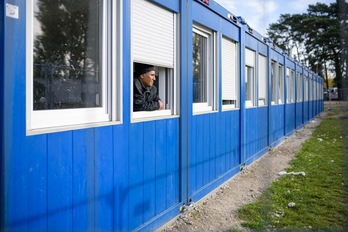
199, 68
67, 49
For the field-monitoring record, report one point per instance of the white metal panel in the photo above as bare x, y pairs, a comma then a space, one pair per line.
153, 34
229, 79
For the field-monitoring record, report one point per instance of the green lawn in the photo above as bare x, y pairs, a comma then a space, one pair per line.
319, 197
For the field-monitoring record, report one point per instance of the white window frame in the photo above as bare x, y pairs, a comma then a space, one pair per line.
262, 81
149, 56
230, 75
211, 104
250, 78
47, 121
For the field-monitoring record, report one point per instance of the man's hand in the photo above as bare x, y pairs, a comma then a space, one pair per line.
161, 105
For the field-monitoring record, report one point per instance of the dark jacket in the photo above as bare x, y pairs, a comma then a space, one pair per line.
145, 99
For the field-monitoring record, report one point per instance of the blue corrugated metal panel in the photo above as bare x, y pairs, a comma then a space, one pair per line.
214, 148
230, 30
290, 118
250, 42
171, 5
277, 124
305, 112
60, 181
199, 14
299, 114
2, 133
262, 48
256, 131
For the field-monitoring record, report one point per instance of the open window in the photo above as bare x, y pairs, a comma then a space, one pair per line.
157, 48
230, 74
250, 78
69, 58
203, 70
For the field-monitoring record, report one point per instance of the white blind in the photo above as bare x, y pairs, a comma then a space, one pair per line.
249, 58
230, 81
153, 34
263, 78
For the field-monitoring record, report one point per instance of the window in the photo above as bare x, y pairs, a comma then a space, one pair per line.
203, 68
158, 48
263, 80
277, 83
250, 78
280, 87
290, 77
68, 64
299, 88
306, 88
230, 77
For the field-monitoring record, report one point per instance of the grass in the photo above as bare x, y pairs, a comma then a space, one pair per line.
319, 196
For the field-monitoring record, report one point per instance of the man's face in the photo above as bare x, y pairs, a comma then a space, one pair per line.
148, 78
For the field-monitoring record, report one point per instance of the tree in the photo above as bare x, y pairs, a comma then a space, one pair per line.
319, 37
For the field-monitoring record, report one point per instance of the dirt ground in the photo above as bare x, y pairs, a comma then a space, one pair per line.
217, 212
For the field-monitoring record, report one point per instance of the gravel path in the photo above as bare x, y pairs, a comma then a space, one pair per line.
217, 212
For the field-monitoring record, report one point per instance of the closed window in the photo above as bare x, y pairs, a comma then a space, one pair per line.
277, 83
68, 63
250, 78
158, 48
299, 89
230, 74
290, 77
306, 88
203, 70
263, 80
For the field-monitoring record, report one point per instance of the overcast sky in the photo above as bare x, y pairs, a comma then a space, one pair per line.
260, 13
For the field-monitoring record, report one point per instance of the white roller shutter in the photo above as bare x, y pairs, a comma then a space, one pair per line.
153, 34
250, 58
229, 75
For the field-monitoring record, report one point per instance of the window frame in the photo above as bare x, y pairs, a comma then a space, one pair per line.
171, 75
210, 105
55, 120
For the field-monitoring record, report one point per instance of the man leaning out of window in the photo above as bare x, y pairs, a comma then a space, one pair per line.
145, 93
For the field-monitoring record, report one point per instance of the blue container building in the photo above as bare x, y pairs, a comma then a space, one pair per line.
76, 156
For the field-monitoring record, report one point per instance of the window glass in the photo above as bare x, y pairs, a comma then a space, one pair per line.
250, 78
203, 66
199, 62
280, 86
290, 77
299, 87
306, 86
67, 70
274, 81
263, 80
